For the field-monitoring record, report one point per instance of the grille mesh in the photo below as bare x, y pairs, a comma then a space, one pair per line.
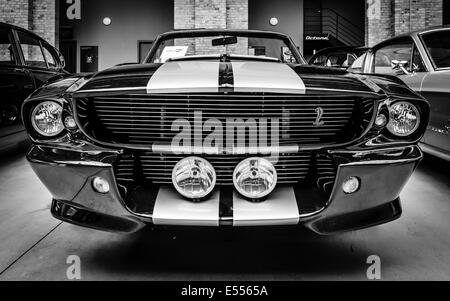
157, 168
146, 119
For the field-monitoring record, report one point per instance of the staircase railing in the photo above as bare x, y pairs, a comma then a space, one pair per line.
328, 21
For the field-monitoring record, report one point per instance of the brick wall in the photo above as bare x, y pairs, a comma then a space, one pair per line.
388, 18
43, 19
379, 24
221, 14
35, 15
14, 12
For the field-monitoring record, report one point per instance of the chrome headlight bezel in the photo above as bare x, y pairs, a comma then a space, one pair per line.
203, 169
394, 116
56, 113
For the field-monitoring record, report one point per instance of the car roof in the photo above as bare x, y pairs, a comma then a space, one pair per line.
11, 26
415, 32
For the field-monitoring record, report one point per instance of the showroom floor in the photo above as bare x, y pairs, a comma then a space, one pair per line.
34, 246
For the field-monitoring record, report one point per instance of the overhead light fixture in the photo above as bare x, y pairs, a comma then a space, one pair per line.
274, 21
107, 21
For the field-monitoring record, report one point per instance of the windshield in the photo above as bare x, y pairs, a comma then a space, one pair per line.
438, 47
213, 47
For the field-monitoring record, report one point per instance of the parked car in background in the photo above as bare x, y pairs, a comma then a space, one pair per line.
26, 63
422, 60
210, 132
337, 57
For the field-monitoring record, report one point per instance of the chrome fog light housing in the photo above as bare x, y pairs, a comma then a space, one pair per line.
351, 185
404, 119
255, 178
100, 185
46, 119
69, 123
381, 121
194, 178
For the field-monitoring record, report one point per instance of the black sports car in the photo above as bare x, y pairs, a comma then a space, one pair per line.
26, 63
225, 128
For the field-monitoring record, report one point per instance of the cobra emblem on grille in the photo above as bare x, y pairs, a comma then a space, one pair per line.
319, 122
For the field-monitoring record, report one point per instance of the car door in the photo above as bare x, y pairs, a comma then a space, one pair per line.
436, 89
38, 57
16, 83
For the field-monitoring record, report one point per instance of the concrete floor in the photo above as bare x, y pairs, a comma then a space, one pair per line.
34, 246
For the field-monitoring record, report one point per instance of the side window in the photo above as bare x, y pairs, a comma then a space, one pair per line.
32, 51
49, 56
358, 64
6, 48
351, 58
336, 59
417, 62
320, 60
400, 51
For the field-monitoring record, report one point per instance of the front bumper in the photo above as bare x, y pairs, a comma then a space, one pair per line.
68, 175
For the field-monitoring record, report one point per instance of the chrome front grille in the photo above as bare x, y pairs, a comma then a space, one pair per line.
143, 120
157, 168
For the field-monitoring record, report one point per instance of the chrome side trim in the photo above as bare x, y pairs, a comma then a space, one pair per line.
169, 149
343, 91
172, 209
280, 208
112, 90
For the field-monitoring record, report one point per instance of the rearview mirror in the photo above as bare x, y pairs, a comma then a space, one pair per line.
224, 41
400, 65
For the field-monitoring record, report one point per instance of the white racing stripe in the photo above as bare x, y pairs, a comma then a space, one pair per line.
185, 77
203, 77
172, 209
280, 208
269, 77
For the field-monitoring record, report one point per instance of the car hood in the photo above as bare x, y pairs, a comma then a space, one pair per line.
239, 77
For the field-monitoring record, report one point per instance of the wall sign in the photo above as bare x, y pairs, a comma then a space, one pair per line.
73, 12
317, 37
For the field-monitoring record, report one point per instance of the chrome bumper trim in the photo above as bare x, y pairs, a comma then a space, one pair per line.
280, 208
71, 183
172, 209
165, 148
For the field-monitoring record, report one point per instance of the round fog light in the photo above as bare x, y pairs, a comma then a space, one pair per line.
351, 185
194, 178
255, 178
100, 185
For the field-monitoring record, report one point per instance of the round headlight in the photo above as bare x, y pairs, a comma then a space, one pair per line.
255, 178
46, 119
404, 119
194, 178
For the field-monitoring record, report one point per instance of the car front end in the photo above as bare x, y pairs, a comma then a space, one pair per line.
225, 143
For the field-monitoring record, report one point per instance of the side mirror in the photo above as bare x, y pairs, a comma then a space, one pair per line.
400, 65
62, 60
